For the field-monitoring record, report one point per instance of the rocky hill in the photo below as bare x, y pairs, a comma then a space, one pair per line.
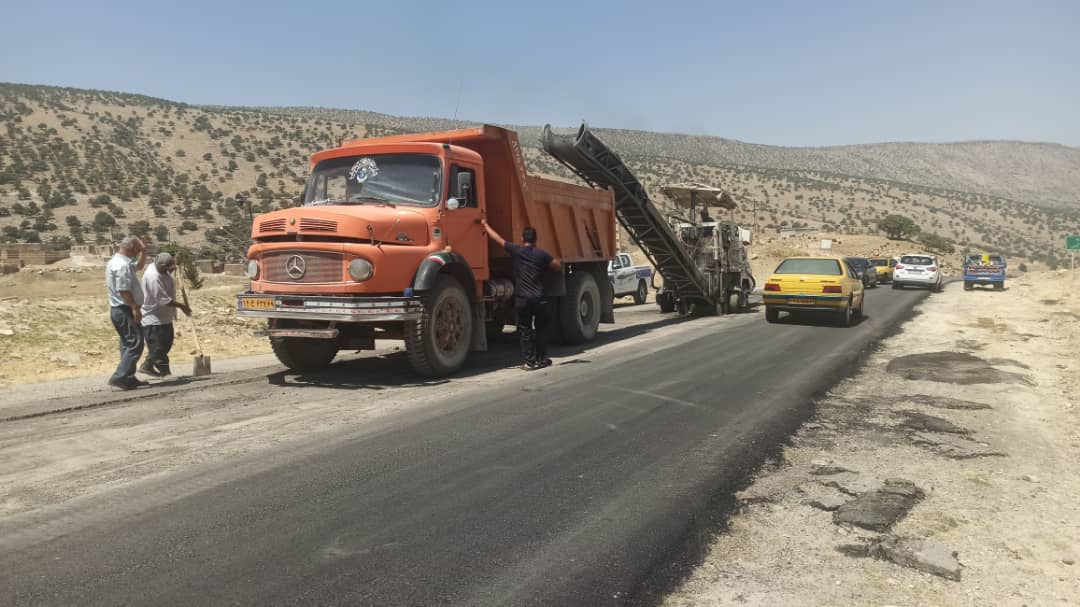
1045, 174
79, 165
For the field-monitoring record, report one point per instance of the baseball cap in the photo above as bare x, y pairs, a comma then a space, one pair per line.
164, 260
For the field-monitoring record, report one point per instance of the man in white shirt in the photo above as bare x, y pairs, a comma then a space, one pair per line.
158, 313
125, 301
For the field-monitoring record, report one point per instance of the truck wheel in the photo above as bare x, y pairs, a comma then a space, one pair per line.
579, 313
642, 292
666, 301
439, 342
772, 314
968, 286
302, 354
998, 286
743, 301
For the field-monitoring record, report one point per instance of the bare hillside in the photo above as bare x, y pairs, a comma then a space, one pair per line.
1046, 174
85, 166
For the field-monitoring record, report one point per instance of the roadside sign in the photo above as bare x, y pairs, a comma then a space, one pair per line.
1072, 243
826, 245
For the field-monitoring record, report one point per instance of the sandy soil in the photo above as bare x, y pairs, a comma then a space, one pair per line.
1001, 482
54, 324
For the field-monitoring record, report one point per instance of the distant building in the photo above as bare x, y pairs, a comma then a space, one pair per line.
30, 254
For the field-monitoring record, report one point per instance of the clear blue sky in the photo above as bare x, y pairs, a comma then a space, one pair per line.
785, 73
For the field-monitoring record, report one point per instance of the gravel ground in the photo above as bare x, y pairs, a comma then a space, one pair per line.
994, 465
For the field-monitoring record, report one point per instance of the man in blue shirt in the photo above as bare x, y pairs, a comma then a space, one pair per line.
125, 303
529, 263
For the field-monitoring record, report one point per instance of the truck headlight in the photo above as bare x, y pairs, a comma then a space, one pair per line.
360, 269
252, 269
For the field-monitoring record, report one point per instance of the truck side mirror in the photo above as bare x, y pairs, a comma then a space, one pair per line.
464, 179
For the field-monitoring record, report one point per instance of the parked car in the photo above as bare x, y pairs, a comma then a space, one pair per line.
628, 279
884, 267
865, 270
918, 270
818, 285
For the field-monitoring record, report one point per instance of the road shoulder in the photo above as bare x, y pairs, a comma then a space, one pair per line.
917, 483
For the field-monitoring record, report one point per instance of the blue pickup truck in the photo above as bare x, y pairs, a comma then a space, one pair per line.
984, 269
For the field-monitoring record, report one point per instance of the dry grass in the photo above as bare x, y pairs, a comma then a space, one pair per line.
62, 327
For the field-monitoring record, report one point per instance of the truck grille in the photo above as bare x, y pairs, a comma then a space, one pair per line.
273, 225
318, 267
309, 224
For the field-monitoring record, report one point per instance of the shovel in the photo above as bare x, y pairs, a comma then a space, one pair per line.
202, 362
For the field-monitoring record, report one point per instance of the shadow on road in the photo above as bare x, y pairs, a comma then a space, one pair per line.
393, 370
818, 320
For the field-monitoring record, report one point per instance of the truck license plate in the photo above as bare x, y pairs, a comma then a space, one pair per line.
256, 303
803, 301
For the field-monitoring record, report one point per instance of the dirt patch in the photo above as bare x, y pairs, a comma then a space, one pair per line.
55, 325
915, 420
943, 402
953, 368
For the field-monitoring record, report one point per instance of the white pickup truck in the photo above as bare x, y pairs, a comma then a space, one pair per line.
628, 279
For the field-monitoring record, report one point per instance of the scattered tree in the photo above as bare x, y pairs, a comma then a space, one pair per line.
936, 242
898, 227
103, 221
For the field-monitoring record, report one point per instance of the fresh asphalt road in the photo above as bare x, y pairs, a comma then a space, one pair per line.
600, 486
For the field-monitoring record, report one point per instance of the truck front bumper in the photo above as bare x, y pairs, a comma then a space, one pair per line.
337, 309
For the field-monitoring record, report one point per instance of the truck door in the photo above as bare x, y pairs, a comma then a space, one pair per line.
625, 275
462, 225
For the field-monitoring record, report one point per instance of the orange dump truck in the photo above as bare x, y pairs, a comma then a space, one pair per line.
388, 245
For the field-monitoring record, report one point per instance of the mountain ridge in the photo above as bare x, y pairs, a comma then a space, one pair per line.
107, 163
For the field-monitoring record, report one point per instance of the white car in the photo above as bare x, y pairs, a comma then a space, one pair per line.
918, 270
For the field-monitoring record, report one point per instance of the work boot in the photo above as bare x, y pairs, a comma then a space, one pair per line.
543, 362
163, 371
147, 369
529, 365
120, 383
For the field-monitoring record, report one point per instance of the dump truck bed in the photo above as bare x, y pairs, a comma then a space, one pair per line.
574, 223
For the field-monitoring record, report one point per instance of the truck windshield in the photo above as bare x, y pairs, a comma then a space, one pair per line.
411, 179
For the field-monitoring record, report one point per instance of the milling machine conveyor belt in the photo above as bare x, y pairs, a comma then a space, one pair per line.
599, 166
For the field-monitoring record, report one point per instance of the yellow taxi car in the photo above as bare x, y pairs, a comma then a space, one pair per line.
818, 285
884, 268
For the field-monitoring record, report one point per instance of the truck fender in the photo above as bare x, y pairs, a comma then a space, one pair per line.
442, 262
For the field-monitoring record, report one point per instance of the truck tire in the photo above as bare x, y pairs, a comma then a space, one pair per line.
666, 301
772, 314
440, 341
579, 310
999, 286
846, 314
642, 293
302, 354
968, 285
